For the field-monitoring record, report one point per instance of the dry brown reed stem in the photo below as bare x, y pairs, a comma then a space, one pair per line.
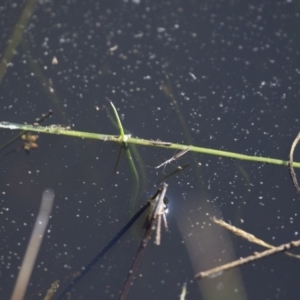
248, 236
34, 245
255, 256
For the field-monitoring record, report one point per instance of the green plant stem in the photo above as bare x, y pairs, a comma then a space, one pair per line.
105, 137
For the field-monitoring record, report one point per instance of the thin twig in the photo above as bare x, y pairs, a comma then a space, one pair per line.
255, 256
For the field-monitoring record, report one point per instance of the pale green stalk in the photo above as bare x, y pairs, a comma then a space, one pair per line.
53, 129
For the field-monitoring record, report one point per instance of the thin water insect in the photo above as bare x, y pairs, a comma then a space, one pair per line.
173, 158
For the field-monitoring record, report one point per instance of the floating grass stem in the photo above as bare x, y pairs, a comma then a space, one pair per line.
127, 139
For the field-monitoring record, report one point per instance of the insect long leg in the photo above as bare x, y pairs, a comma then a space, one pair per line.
177, 170
160, 213
165, 163
158, 231
165, 221
174, 157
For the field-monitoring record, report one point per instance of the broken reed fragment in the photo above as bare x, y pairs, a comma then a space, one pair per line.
250, 258
34, 245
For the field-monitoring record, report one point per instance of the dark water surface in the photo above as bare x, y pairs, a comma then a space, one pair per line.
216, 74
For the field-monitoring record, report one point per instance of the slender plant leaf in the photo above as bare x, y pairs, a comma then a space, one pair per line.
122, 134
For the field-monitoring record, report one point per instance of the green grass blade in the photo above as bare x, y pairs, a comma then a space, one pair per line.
122, 134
